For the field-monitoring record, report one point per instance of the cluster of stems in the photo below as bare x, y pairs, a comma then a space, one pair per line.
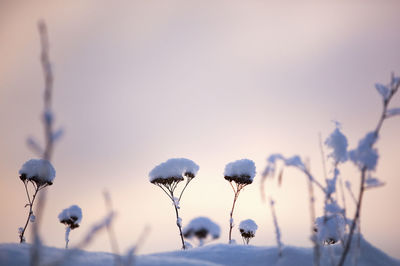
236, 191
169, 186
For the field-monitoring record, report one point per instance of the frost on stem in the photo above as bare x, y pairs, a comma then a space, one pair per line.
202, 228
242, 173
248, 230
168, 175
71, 218
40, 174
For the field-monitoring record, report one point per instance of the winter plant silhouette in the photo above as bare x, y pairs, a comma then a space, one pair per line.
40, 174
247, 230
240, 172
168, 175
71, 218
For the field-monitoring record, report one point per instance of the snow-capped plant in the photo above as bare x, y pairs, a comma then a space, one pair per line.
168, 175
330, 229
71, 218
240, 172
248, 230
40, 174
202, 228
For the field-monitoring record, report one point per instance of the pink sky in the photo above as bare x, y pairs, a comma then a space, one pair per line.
137, 83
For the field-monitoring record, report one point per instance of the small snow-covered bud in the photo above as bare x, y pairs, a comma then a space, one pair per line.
201, 228
248, 229
20, 230
71, 216
32, 218
48, 116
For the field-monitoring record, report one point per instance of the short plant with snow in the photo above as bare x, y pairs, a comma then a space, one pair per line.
71, 218
168, 175
241, 173
40, 174
248, 230
202, 228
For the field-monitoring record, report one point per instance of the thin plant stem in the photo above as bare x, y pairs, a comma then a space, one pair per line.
356, 217
236, 195
21, 237
178, 222
231, 217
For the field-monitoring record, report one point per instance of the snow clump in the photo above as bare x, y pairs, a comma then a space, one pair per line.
248, 229
330, 229
365, 155
173, 170
71, 216
39, 171
201, 228
338, 143
240, 171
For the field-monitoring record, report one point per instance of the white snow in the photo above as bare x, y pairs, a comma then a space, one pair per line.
365, 154
331, 229
202, 223
273, 160
371, 182
243, 167
68, 213
338, 143
295, 161
210, 255
39, 169
176, 167
248, 226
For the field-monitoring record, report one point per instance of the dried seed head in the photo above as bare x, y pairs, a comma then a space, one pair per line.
242, 179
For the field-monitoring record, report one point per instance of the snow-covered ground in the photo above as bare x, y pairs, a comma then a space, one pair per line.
214, 254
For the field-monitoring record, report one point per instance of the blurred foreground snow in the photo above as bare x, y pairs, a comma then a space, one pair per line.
217, 254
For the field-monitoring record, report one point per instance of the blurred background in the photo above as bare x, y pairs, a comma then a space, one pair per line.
138, 82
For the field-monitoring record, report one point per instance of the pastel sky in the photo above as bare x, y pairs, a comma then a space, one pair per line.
138, 82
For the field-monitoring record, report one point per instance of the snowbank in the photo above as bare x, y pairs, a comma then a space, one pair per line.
217, 254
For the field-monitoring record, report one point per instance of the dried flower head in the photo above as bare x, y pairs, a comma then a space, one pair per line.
39, 171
